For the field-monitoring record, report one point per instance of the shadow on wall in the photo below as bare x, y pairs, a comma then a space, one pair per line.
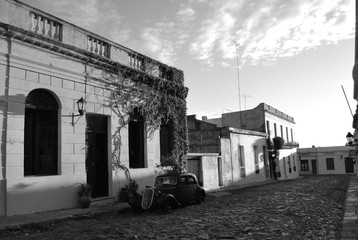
39, 196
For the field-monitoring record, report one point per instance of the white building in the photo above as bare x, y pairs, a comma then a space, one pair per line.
226, 156
327, 160
273, 123
48, 145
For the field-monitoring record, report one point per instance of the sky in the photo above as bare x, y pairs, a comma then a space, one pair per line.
292, 55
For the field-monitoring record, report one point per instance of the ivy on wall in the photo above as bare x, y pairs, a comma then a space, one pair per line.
157, 99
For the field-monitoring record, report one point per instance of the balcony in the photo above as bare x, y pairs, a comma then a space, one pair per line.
24, 19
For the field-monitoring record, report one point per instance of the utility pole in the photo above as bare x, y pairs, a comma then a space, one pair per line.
355, 67
355, 72
238, 79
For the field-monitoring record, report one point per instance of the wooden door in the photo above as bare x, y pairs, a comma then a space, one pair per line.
97, 155
349, 165
314, 167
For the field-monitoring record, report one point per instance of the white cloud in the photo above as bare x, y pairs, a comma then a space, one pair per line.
158, 41
84, 13
267, 30
120, 35
166, 38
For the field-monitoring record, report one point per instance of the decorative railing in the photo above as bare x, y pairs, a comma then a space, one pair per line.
291, 145
278, 113
136, 62
97, 46
44, 26
24, 17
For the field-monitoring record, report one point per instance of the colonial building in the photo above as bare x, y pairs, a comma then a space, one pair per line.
78, 108
226, 156
262, 118
327, 160
263, 122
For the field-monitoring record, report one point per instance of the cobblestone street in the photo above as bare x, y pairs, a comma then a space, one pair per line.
305, 208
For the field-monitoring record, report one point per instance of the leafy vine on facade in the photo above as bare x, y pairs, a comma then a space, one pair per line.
158, 100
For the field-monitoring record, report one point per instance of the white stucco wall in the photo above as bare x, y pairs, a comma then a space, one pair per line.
230, 158
34, 68
320, 154
284, 156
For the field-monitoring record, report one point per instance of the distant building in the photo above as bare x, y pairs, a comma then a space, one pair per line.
327, 160
262, 118
273, 123
226, 155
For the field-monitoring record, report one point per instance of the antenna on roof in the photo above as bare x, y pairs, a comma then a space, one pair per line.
347, 100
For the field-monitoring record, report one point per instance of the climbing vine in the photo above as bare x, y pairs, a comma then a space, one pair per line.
158, 100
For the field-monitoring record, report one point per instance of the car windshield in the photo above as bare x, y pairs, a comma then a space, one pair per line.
166, 180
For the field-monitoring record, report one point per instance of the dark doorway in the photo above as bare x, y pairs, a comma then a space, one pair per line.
314, 167
349, 165
165, 139
136, 141
220, 172
97, 154
40, 138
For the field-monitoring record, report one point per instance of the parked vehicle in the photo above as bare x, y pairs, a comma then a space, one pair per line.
152, 199
184, 187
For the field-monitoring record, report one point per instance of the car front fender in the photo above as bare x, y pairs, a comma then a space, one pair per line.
168, 197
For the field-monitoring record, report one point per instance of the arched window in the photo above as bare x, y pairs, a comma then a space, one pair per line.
41, 127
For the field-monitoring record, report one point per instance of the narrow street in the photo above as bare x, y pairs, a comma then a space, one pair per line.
305, 208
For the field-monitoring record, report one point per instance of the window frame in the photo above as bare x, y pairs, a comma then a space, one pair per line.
330, 164
242, 160
256, 159
304, 165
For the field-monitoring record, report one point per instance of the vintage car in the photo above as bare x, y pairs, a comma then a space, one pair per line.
184, 187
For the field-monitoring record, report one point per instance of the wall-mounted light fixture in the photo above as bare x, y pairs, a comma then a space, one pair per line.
80, 107
350, 138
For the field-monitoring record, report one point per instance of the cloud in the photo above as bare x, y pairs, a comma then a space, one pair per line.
84, 13
267, 30
93, 15
166, 38
209, 30
120, 35
158, 41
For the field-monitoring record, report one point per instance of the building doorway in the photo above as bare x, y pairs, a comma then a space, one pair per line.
349, 165
97, 154
314, 166
220, 172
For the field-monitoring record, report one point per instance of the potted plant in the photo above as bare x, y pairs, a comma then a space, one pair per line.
85, 195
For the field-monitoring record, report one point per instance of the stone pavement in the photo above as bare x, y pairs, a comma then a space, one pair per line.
350, 220
49, 216
349, 228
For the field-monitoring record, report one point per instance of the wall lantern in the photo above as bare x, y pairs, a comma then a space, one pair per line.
80, 107
350, 138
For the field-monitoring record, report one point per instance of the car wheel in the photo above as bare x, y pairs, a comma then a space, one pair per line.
200, 197
167, 207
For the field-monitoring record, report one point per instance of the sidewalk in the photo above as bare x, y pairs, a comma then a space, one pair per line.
19, 220
350, 220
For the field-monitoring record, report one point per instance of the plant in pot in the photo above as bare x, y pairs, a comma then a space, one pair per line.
85, 195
